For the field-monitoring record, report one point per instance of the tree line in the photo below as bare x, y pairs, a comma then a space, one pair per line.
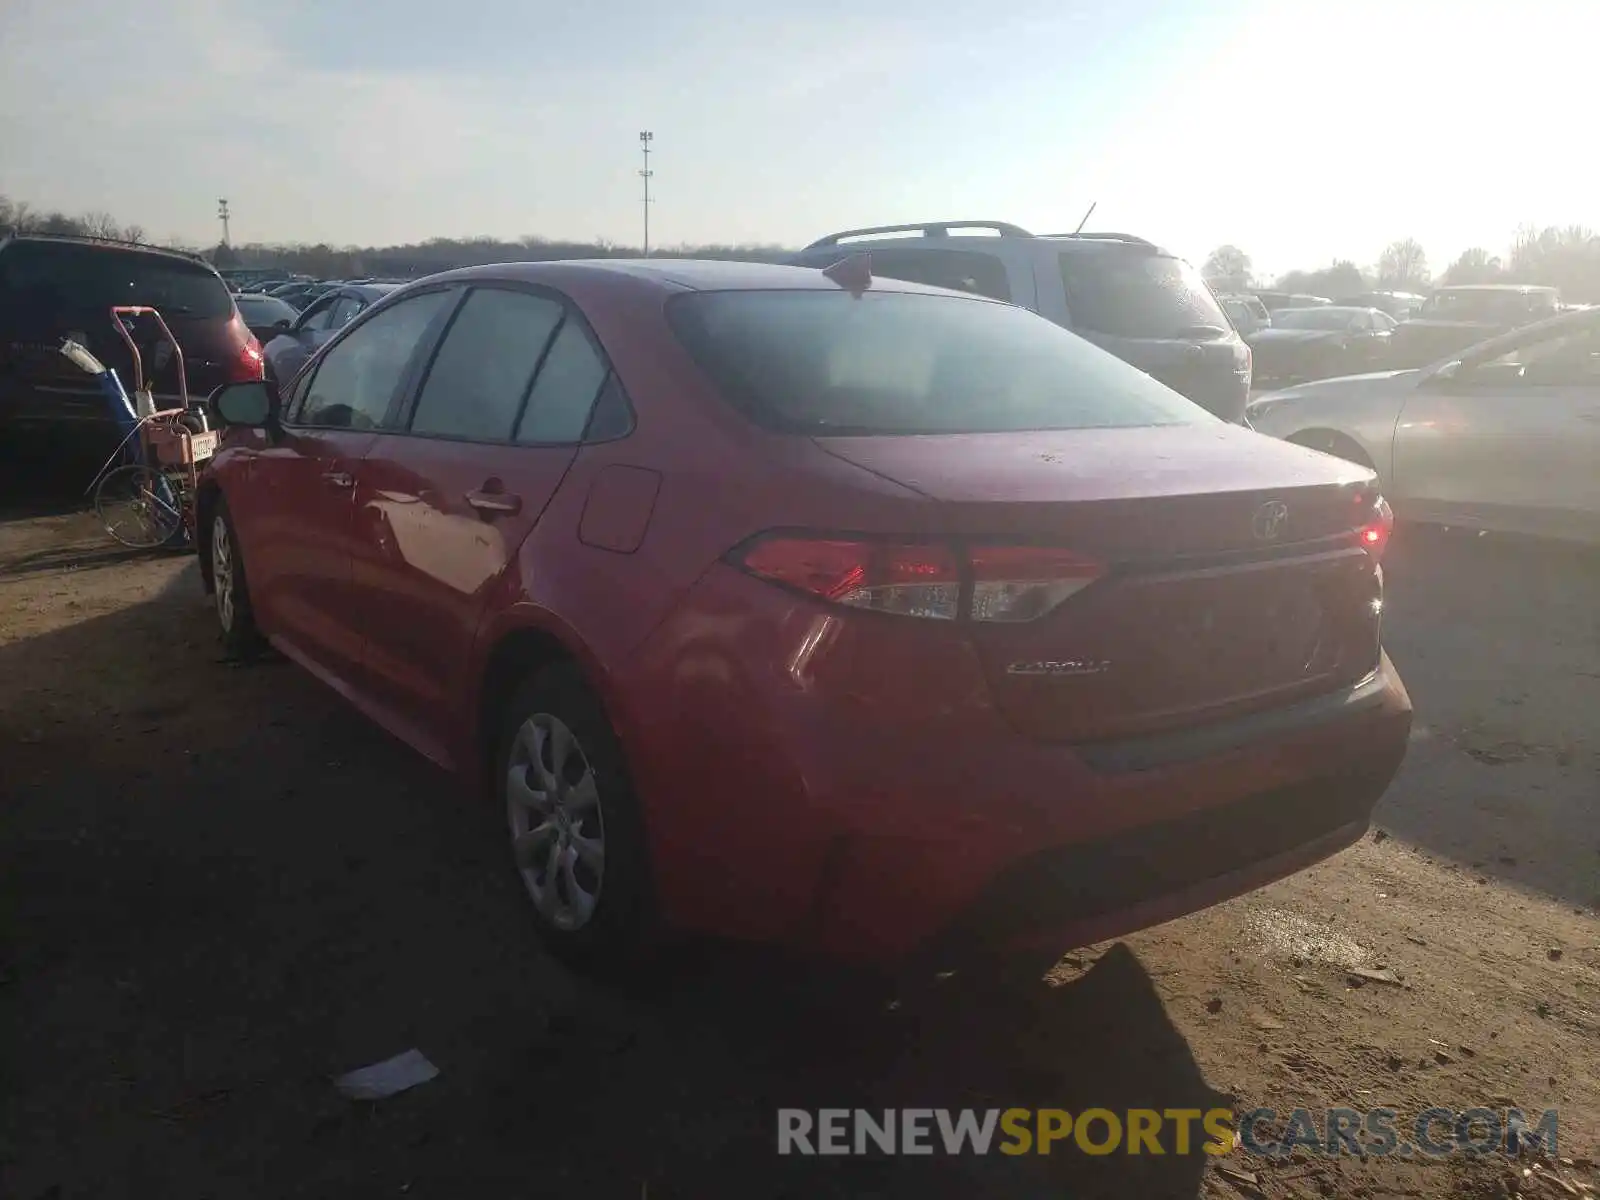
324, 261
1564, 257
1567, 257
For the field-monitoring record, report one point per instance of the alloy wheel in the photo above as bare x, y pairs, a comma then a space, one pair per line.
557, 828
222, 572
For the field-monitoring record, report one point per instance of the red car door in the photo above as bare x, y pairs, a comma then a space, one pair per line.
444, 504
296, 514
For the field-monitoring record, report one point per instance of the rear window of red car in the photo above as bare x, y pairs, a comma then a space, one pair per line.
86, 278
832, 363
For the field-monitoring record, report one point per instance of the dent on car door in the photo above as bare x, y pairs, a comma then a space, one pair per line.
1510, 443
445, 504
304, 486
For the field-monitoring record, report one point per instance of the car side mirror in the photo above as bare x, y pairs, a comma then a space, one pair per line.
250, 404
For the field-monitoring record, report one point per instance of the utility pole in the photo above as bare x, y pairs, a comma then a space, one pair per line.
645, 138
222, 215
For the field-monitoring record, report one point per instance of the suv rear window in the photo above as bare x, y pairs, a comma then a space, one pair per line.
1134, 294
83, 278
829, 363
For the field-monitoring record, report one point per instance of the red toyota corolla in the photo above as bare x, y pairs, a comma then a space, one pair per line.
810, 607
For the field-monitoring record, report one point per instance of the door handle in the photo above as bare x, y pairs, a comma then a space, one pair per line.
339, 479
495, 501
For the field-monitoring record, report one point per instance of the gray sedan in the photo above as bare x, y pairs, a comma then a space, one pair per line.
1503, 436
316, 324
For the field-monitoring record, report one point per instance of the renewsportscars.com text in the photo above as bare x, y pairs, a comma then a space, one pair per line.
1262, 1132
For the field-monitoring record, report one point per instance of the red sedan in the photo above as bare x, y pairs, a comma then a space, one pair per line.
804, 606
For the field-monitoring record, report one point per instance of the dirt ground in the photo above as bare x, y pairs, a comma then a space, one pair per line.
220, 888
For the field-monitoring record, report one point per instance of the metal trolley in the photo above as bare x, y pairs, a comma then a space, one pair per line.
148, 500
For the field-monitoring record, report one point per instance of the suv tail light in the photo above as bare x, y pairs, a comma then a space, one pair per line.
921, 579
248, 362
1373, 533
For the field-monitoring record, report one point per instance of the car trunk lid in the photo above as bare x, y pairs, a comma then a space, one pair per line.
1232, 580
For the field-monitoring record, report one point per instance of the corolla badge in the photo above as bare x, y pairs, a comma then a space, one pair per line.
1268, 523
1058, 668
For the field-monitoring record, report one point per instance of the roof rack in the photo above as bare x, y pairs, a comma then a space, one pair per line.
930, 229
1105, 237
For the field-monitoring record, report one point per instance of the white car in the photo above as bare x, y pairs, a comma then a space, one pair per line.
1503, 436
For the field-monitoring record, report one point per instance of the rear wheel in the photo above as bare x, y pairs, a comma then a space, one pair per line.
577, 834
139, 507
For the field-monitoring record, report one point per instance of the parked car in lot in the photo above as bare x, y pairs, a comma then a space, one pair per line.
1247, 314
316, 323
815, 607
300, 294
266, 316
1454, 318
1127, 295
1504, 437
1314, 343
54, 287
1276, 301
1398, 305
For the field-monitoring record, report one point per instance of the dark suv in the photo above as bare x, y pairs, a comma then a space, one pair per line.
1127, 295
55, 286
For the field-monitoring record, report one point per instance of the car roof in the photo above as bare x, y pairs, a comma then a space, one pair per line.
110, 245
675, 275
1335, 308
1497, 287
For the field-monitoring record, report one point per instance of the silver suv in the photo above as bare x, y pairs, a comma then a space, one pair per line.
1125, 294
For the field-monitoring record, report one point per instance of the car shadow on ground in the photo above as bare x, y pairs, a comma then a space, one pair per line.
1498, 640
220, 887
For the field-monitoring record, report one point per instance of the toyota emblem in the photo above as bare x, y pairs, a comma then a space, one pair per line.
1269, 521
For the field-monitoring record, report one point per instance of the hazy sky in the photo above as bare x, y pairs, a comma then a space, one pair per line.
1302, 130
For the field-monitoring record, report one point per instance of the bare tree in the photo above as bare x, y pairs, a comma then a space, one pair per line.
1227, 269
1403, 265
135, 233
1473, 265
101, 225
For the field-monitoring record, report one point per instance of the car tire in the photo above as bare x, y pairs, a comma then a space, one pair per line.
578, 846
230, 589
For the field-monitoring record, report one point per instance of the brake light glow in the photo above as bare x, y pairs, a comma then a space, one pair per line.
249, 362
1373, 534
922, 579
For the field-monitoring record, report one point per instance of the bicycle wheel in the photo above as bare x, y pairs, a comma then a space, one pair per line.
138, 507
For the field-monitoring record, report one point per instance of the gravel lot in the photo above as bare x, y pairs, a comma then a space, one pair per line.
220, 887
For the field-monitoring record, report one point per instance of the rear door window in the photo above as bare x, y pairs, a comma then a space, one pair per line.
1129, 293
959, 270
564, 394
69, 278
481, 375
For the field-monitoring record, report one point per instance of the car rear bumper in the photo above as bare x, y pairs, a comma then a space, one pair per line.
922, 820
1265, 809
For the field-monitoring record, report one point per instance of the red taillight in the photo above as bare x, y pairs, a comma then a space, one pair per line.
248, 362
913, 580
922, 579
1373, 533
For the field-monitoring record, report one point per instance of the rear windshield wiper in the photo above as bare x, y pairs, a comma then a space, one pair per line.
1200, 332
